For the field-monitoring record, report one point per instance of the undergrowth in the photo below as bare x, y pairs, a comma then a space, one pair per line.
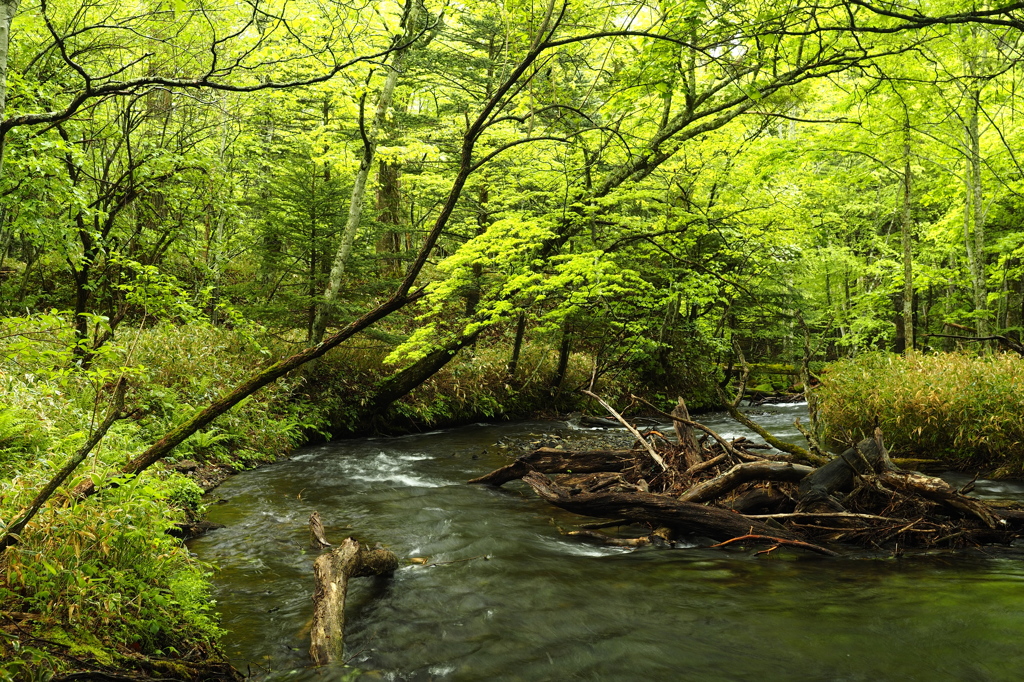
100, 582
956, 407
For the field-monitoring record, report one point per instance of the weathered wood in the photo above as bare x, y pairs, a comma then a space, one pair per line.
703, 466
937, 490
743, 473
660, 510
643, 441
766, 499
817, 489
554, 461
316, 532
599, 480
689, 448
331, 572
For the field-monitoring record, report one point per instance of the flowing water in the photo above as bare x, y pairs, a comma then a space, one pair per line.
506, 597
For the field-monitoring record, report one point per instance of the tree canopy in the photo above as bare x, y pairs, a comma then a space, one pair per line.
638, 182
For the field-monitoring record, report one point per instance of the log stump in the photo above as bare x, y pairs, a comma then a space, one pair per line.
332, 572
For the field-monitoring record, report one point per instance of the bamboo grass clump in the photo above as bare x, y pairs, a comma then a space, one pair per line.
952, 406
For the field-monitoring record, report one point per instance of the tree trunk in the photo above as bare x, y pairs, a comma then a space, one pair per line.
403, 382
908, 254
837, 476
685, 436
389, 214
355, 209
8, 8
332, 572
483, 218
513, 364
974, 210
660, 510
564, 349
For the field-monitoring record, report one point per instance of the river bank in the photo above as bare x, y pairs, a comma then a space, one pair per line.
104, 583
501, 593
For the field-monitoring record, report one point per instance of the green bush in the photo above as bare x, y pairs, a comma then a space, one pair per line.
951, 406
102, 577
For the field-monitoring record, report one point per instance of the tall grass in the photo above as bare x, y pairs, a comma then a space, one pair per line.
103, 576
966, 409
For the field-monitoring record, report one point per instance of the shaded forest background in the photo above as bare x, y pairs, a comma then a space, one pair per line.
643, 185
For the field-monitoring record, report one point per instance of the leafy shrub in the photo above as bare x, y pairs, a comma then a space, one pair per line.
952, 406
103, 574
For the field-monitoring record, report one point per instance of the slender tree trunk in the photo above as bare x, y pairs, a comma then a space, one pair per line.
482, 219
974, 210
81, 274
517, 345
980, 285
564, 349
8, 8
908, 254
355, 209
313, 289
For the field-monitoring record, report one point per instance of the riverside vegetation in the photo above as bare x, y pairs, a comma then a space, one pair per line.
953, 407
105, 583
228, 227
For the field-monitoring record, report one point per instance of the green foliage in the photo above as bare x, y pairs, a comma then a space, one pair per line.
107, 565
642, 207
954, 406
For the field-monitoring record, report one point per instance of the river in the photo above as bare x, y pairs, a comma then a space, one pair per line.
505, 596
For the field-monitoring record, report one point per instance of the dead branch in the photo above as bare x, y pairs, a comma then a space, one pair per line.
743, 473
779, 541
704, 466
643, 441
316, 532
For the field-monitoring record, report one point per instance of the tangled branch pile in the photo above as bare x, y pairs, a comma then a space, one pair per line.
723, 490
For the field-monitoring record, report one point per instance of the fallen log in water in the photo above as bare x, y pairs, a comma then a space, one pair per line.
660, 510
726, 491
331, 572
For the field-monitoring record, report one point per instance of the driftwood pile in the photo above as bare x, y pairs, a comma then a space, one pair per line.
700, 486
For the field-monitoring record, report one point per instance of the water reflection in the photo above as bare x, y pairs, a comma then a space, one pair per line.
509, 598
